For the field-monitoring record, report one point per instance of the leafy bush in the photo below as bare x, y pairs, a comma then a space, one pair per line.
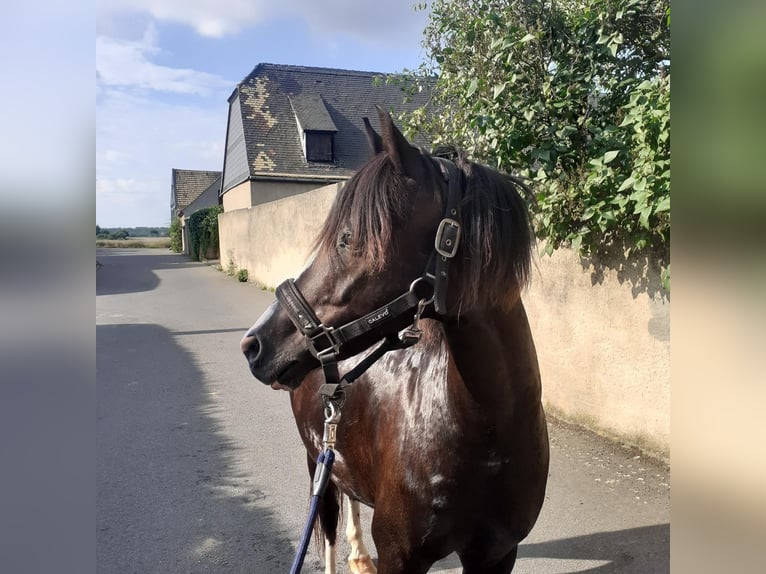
242, 275
203, 232
573, 95
231, 268
174, 232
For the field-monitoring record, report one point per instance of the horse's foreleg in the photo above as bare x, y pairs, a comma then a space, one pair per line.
329, 557
359, 559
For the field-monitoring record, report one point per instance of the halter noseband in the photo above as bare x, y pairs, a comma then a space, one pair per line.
326, 342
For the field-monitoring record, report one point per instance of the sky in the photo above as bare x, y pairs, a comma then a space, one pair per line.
165, 68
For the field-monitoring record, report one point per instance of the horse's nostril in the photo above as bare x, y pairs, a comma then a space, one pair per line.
250, 346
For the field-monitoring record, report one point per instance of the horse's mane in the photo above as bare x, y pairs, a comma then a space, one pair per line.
494, 257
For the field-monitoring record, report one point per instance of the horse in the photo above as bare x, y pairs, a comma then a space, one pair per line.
445, 439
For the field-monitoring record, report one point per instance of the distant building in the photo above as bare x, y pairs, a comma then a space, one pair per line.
292, 129
192, 190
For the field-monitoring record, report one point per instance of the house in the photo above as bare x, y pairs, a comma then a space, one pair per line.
292, 129
192, 190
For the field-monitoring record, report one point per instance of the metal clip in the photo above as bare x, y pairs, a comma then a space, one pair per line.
421, 307
332, 416
330, 435
411, 335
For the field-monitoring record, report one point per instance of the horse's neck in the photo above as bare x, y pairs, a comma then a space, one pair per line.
495, 357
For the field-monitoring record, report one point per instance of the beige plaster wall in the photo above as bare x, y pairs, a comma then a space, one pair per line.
257, 192
273, 240
603, 343
602, 332
268, 191
238, 197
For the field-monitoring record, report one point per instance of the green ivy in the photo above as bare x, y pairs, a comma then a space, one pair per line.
573, 95
203, 231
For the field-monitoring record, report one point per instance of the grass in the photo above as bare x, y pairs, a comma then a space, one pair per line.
135, 243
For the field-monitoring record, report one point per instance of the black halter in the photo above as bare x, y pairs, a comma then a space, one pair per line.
326, 343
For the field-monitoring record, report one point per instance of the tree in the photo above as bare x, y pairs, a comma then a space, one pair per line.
174, 232
574, 95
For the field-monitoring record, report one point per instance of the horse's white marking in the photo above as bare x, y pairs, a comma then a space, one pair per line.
437, 479
427, 412
316, 440
413, 360
359, 559
329, 558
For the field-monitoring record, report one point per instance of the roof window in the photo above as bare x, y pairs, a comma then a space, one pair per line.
315, 126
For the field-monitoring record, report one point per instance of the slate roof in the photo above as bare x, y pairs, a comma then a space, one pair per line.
329, 99
187, 185
206, 198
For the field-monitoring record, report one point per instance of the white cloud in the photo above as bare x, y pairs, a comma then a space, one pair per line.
211, 18
138, 141
389, 23
373, 21
122, 63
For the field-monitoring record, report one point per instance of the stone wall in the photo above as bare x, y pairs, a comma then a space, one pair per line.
273, 240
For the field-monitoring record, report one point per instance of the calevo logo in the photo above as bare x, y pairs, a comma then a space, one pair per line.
378, 317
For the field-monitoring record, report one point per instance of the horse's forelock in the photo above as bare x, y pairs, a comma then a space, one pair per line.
370, 205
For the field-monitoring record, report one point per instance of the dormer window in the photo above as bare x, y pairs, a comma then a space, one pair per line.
315, 127
318, 145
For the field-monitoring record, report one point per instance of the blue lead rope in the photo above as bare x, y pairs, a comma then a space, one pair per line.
321, 478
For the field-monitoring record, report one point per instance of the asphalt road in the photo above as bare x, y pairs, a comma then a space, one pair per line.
200, 468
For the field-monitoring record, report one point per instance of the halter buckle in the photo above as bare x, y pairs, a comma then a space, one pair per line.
447, 238
329, 334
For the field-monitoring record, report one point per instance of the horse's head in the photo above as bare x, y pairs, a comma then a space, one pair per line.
377, 240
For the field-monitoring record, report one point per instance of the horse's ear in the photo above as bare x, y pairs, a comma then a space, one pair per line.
402, 154
375, 141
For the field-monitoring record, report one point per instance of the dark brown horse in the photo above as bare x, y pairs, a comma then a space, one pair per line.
446, 439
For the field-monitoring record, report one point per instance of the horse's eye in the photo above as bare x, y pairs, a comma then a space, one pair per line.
344, 239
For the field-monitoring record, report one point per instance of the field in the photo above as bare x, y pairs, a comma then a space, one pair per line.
135, 242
